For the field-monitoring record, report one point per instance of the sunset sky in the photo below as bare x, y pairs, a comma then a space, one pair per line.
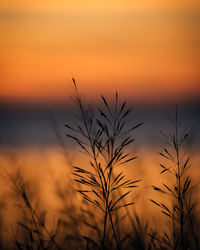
146, 50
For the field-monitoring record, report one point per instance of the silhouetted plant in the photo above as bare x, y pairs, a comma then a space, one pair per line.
31, 229
181, 207
70, 216
104, 138
138, 237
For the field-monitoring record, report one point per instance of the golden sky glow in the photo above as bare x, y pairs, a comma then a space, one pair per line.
139, 48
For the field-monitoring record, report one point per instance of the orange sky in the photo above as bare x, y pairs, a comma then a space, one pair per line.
140, 48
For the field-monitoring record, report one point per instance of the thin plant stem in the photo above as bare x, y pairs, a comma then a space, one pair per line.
180, 200
113, 228
104, 229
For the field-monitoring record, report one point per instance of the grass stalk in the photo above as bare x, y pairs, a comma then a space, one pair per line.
181, 210
104, 138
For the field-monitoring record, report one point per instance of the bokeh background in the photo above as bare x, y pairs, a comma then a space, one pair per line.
147, 51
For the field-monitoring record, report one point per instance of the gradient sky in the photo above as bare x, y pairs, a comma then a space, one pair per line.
146, 50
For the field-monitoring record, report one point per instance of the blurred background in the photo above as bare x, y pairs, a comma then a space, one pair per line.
147, 51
